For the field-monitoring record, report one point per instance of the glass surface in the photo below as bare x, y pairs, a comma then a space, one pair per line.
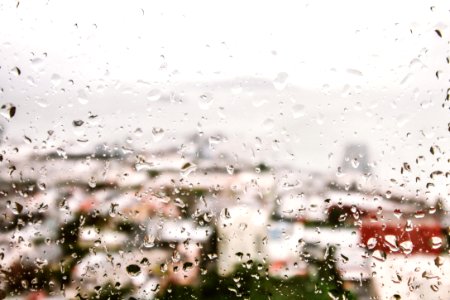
224, 150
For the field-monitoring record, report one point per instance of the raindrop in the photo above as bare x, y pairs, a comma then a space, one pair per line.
391, 242
154, 95
205, 101
149, 241
77, 123
55, 80
438, 32
225, 213
92, 182
133, 270
230, 169
143, 166
163, 267
419, 214
355, 163
371, 243
16, 71
8, 111
397, 213
379, 255
42, 186
438, 261
157, 133
407, 247
409, 225
82, 97
187, 169
178, 202
16, 208
280, 81
298, 111
138, 132
187, 266
436, 242
268, 124
41, 102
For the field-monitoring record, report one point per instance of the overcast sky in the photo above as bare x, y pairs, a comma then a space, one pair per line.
304, 77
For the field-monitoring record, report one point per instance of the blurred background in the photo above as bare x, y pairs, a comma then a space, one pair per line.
235, 149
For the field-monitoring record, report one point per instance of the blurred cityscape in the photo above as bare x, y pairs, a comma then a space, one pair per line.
193, 222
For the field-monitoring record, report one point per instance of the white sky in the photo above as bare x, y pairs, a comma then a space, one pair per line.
229, 38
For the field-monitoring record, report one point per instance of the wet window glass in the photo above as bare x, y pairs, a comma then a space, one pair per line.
232, 150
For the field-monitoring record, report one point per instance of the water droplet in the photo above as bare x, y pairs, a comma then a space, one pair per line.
379, 255
187, 169
16, 208
138, 132
187, 266
268, 124
55, 80
215, 140
436, 242
419, 214
225, 213
205, 101
163, 267
280, 81
178, 202
8, 111
92, 182
438, 261
409, 225
157, 133
407, 247
154, 95
397, 213
143, 166
371, 243
438, 32
355, 163
77, 123
391, 242
82, 97
230, 169
149, 241
16, 71
41, 102
133, 270
298, 111
42, 186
